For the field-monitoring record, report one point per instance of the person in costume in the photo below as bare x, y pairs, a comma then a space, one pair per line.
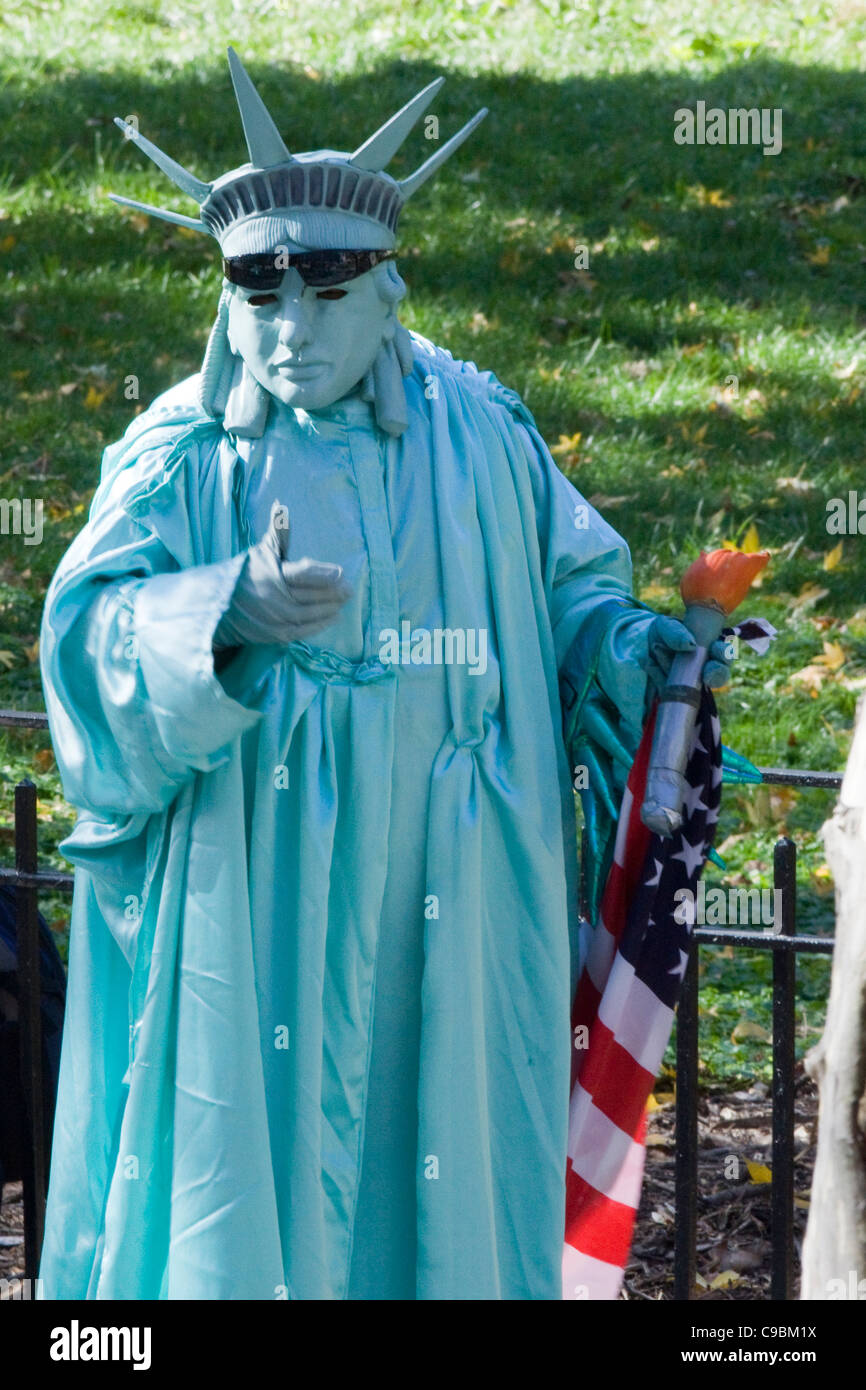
318, 671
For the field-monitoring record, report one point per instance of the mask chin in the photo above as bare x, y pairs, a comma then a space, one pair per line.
229, 392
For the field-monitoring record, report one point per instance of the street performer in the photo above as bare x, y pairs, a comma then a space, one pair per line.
325, 928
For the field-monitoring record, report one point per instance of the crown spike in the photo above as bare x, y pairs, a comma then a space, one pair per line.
380, 148
264, 142
428, 168
176, 172
164, 213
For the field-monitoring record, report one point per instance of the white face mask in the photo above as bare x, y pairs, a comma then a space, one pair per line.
309, 346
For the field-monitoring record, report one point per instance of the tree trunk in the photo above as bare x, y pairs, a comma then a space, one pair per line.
834, 1252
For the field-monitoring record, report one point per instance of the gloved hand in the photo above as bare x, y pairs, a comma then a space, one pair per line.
277, 600
665, 638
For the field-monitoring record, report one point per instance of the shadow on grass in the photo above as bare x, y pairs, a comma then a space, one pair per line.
579, 161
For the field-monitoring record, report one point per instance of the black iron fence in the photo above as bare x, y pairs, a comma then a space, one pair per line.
785, 944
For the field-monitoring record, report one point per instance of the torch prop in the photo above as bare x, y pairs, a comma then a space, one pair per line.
711, 588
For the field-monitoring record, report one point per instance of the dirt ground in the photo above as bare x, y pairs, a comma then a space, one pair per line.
734, 1235
733, 1246
11, 1234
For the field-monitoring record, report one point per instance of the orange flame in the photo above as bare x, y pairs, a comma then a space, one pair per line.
722, 578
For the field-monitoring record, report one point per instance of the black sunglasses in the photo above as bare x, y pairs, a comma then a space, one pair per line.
319, 268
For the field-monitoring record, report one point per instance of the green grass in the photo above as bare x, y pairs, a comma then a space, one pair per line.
704, 377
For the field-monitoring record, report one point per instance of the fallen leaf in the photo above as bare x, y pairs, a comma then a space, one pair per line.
751, 541
568, 444
833, 558
725, 1279
600, 500
843, 373
759, 1172
809, 594
833, 656
812, 676
747, 1028
796, 485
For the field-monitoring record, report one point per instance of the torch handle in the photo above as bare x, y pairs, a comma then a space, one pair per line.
675, 721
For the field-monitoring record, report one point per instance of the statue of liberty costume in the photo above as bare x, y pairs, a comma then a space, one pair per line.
325, 924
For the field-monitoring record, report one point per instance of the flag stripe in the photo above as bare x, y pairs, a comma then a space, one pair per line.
606, 1240
603, 1155
618, 1085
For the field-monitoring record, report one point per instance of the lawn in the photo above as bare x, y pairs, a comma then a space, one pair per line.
686, 322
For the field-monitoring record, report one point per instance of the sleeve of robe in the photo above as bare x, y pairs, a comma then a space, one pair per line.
600, 637
134, 703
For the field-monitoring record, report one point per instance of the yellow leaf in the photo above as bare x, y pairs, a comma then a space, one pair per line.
747, 1028
833, 656
751, 541
809, 594
820, 256
652, 1103
93, 400
567, 444
833, 557
725, 1279
32, 653
759, 1172
7, 659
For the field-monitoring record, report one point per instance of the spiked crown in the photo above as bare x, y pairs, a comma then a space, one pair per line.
322, 199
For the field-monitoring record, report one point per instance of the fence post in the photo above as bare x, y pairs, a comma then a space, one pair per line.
686, 1159
784, 1023
30, 1025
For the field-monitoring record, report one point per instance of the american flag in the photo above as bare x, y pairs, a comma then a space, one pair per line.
624, 1010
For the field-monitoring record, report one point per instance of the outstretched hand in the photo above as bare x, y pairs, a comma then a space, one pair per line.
278, 600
